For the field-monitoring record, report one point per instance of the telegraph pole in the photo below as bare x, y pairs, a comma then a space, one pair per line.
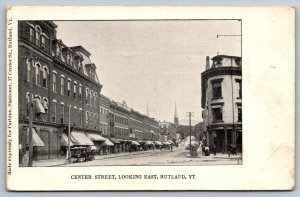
30, 162
190, 114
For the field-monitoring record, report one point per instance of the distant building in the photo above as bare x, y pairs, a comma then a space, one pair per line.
168, 129
104, 115
185, 130
222, 101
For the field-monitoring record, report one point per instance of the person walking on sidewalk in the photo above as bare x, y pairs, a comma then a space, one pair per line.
214, 150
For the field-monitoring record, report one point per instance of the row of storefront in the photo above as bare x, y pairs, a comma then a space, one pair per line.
50, 143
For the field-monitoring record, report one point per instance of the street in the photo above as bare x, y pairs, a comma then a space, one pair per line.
178, 156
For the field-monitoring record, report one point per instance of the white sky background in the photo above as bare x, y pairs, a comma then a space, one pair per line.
154, 62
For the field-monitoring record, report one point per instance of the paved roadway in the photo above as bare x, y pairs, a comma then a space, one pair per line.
161, 157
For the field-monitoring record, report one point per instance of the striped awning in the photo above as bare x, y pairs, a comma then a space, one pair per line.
95, 137
79, 138
114, 140
64, 140
107, 142
158, 143
36, 140
149, 142
135, 143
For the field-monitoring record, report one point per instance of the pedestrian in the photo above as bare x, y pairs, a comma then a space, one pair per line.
171, 148
229, 150
214, 150
25, 159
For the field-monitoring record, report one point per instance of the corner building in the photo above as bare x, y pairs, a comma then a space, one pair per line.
62, 83
222, 102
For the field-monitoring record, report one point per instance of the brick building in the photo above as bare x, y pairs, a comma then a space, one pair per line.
62, 82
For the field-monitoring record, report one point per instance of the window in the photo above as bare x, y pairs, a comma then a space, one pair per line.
37, 74
28, 70
43, 42
95, 97
80, 91
80, 117
62, 113
68, 58
54, 111
37, 36
45, 105
217, 111
239, 83
87, 119
62, 85
54, 81
217, 88
86, 95
31, 34
96, 120
239, 113
69, 87
45, 77
74, 89
91, 98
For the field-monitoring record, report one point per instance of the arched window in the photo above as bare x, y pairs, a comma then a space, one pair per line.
28, 63
31, 34
43, 42
54, 102
37, 74
86, 95
80, 91
62, 117
95, 99
54, 81
69, 87
74, 89
91, 98
37, 35
80, 116
87, 119
62, 85
45, 76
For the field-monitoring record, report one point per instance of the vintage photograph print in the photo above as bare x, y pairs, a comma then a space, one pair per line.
130, 92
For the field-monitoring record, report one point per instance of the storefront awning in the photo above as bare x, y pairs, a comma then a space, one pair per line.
166, 143
95, 137
64, 140
107, 142
149, 142
158, 143
114, 140
135, 143
36, 140
79, 138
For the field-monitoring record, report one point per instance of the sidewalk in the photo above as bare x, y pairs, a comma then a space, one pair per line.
218, 156
63, 161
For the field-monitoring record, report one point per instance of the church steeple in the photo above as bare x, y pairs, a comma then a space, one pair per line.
176, 122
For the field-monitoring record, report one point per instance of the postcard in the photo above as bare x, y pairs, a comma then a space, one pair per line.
150, 98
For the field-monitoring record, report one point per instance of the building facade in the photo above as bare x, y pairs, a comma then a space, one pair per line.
222, 102
104, 115
59, 83
167, 130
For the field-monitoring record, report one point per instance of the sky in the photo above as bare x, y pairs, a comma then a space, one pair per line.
158, 63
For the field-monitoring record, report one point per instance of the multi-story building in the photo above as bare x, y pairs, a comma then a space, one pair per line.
222, 101
63, 85
104, 115
136, 125
119, 126
168, 130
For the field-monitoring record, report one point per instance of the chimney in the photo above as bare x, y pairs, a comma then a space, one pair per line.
207, 63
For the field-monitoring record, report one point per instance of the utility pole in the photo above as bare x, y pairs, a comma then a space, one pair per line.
69, 135
190, 114
30, 162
